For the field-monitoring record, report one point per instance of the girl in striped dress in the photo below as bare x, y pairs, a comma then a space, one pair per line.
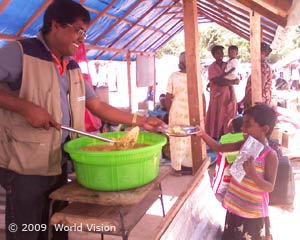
247, 201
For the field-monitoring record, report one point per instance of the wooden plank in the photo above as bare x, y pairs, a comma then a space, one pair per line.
73, 192
200, 217
255, 55
181, 200
104, 219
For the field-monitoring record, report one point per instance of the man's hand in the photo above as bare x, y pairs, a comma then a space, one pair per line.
152, 124
38, 117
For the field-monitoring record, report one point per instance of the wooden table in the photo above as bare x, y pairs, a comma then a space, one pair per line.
114, 213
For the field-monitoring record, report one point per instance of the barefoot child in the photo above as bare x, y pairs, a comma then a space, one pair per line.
247, 201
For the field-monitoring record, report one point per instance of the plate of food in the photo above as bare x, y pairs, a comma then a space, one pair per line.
180, 130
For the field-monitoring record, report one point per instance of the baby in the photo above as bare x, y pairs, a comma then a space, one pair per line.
231, 70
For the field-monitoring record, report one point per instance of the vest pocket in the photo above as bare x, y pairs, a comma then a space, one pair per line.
29, 150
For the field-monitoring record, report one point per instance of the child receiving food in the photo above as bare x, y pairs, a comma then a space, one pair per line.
247, 201
224, 160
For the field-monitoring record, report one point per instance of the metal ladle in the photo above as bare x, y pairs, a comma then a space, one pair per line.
88, 134
125, 142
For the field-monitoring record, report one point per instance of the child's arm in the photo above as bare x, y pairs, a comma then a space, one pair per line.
218, 147
271, 164
226, 73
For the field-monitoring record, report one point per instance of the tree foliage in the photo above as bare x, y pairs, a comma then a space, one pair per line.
297, 37
173, 47
209, 35
212, 34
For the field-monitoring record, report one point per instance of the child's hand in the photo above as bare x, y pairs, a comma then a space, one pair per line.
200, 133
249, 167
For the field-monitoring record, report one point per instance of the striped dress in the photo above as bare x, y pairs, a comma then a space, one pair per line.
245, 199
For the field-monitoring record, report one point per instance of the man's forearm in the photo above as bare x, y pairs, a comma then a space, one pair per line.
11, 102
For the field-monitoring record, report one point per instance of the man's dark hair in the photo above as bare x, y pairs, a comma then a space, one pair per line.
216, 48
263, 114
64, 12
233, 47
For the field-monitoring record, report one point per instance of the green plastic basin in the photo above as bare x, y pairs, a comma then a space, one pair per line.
116, 170
231, 138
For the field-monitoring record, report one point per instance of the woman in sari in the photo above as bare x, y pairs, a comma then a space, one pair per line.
222, 102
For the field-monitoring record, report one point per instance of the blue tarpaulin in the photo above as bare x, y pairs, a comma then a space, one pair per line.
119, 27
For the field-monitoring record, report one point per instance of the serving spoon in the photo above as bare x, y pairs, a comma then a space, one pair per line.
88, 134
125, 142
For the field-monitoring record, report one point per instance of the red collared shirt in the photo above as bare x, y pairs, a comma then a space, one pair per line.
61, 67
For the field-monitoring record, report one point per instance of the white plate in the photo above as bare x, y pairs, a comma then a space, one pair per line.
180, 130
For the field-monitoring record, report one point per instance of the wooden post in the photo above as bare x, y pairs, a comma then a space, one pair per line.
129, 81
255, 55
194, 81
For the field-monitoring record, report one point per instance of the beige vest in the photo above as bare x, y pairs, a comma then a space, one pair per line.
36, 151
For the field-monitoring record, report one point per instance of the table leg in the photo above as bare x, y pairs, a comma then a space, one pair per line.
50, 233
124, 232
161, 199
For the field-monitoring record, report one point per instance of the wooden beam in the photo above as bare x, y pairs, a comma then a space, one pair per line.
3, 5
255, 57
8, 37
235, 8
237, 20
280, 5
158, 37
194, 81
129, 29
146, 28
207, 8
238, 12
116, 22
264, 12
170, 36
33, 17
100, 14
117, 50
129, 80
220, 22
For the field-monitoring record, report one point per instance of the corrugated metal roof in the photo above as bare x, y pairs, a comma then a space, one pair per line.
141, 26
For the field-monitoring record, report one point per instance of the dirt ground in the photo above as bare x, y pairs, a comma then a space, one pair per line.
284, 220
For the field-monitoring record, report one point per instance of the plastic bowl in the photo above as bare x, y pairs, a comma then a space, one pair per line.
116, 170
